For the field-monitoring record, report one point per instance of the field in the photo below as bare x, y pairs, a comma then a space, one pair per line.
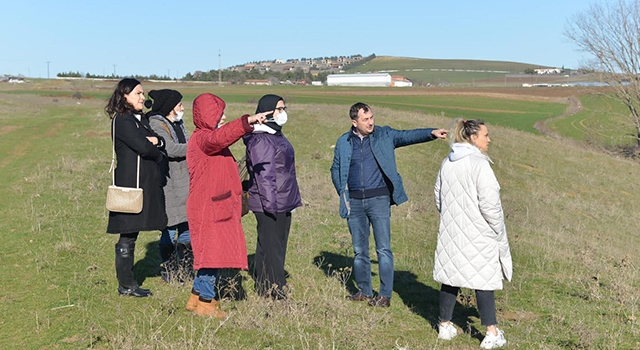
519, 108
602, 120
455, 72
571, 216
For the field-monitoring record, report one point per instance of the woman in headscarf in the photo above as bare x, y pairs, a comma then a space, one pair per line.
273, 195
214, 204
165, 118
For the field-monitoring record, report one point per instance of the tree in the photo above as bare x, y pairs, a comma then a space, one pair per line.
611, 34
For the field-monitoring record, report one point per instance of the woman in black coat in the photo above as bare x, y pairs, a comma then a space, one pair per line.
134, 137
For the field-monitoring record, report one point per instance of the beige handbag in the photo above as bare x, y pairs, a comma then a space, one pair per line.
123, 199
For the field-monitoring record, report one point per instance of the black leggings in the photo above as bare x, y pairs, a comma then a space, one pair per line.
128, 238
486, 304
271, 251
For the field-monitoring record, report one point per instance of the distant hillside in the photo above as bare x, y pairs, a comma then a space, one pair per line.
437, 72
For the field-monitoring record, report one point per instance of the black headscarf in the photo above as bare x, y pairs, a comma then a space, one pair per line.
269, 103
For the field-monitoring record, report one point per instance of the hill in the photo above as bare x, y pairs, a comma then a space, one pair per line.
571, 215
440, 71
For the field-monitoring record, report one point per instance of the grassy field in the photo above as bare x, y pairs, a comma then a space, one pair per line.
571, 216
602, 120
436, 71
519, 111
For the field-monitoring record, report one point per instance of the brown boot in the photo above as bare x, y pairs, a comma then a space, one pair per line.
192, 304
209, 308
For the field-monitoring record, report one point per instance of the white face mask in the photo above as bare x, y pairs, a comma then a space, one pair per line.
282, 118
178, 116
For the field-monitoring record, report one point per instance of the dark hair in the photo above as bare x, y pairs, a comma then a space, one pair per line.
464, 128
353, 112
117, 102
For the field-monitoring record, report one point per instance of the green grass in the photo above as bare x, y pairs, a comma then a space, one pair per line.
603, 120
515, 113
436, 71
571, 217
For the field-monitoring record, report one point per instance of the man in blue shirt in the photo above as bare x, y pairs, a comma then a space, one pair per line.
365, 176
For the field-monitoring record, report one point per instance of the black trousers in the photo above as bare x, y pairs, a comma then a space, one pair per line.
486, 304
271, 251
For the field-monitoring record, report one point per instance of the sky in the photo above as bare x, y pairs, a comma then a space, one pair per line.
42, 38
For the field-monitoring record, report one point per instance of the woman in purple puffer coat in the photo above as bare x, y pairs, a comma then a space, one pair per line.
273, 195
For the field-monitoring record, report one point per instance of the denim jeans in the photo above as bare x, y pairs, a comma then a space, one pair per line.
375, 212
205, 282
178, 233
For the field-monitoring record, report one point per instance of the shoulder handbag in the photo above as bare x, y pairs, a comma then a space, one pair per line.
123, 199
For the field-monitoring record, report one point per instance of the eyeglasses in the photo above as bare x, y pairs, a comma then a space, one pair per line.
281, 109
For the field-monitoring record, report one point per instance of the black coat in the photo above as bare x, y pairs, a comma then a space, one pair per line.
131, 141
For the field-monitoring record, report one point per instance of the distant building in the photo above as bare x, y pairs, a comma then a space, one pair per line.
316, 83
257, 82
13, 79
377, 79
548, 70
400, 81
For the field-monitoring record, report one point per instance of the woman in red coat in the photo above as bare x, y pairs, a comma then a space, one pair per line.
214, 204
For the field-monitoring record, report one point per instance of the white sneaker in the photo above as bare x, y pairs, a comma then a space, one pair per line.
447, 331
491, 341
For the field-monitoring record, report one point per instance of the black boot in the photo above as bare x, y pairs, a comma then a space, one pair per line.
185, 261
124, 272
166, 252
168, 266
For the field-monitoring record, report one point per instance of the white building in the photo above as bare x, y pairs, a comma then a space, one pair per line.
548, 70
378, 79
400, 81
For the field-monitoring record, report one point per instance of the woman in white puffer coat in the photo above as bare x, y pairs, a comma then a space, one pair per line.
472, 250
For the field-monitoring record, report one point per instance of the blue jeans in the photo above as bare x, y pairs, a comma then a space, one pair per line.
364, 213
205, 282
178, 233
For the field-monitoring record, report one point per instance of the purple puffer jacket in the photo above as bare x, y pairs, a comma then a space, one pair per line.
272, 173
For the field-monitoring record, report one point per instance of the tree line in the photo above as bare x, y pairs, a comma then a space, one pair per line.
231, 76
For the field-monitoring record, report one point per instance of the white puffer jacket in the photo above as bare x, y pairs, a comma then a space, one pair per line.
472, 249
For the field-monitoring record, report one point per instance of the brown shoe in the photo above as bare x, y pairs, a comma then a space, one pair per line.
192, 304
380, 301
358, 297
209, 308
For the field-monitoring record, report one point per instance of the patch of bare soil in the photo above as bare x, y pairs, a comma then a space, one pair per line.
8, 128
519, 316
574, 106
53, 130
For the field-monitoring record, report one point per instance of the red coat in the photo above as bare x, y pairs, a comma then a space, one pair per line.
214, 204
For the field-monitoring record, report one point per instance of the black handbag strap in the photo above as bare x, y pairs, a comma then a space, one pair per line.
113, 157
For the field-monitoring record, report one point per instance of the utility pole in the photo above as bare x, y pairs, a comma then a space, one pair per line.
219, 68
114, 70
48, 69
